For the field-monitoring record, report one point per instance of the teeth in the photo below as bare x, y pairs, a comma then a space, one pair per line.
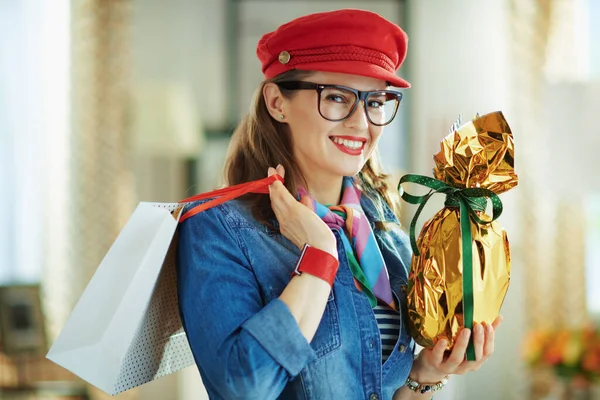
351, 144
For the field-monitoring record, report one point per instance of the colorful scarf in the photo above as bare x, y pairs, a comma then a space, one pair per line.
365, 259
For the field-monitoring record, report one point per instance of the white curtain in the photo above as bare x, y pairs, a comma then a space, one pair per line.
34, 56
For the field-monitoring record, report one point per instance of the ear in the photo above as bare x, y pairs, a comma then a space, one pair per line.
274, 100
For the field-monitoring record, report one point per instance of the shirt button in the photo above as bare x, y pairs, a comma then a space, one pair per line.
402, 348
372, 343
373, 396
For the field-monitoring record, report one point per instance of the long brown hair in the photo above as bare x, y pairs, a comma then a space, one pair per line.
260, 142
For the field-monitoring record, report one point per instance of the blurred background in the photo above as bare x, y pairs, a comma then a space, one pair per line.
105, 103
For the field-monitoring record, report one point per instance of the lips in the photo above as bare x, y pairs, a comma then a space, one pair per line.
349, 144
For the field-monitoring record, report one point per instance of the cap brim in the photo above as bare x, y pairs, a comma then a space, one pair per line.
356, 68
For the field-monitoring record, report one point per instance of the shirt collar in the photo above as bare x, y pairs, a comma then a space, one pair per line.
376, 209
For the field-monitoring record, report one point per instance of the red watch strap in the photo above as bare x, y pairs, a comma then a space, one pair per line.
318, 263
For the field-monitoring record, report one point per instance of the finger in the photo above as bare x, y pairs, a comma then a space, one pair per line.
275, 193
280, 170
478, 341
280, 196
437, 354
458, 352
270, 172
273, 187
498, 321
490, 337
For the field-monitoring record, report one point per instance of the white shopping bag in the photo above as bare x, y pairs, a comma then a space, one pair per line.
125, 329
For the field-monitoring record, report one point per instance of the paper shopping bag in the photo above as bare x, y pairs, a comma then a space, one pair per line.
127, 320
125, 329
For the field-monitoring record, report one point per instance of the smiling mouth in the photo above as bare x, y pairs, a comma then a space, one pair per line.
348, 143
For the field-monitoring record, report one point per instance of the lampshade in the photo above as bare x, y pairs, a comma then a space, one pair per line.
165, 121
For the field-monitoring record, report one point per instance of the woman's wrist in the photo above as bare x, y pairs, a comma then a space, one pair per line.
421, 373
426, 387
325, 245
318, 263
425, 377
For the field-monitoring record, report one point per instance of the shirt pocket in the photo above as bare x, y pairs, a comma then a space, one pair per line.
328, 338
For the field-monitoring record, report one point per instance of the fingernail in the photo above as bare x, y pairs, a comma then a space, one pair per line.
279, 166
466, 333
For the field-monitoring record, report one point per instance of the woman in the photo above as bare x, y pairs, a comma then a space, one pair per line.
298, 294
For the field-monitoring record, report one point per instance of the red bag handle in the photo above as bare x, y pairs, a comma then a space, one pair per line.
220, 196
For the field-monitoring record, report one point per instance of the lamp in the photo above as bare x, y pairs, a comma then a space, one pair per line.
165, 121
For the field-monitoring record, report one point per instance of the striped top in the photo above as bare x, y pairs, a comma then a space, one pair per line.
388, 321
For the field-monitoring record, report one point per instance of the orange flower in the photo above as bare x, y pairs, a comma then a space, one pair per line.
591, 362
571, 352
534, 345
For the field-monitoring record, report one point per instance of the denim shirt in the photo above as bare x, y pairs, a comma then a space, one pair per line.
246, 343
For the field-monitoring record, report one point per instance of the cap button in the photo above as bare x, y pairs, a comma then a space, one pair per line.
284, 57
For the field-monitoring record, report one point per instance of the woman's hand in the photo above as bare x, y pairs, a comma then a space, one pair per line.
431, 365
297, 222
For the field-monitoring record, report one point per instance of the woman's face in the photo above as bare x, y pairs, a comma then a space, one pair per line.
325, 149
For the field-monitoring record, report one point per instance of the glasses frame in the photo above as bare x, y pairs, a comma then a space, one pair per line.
359, 96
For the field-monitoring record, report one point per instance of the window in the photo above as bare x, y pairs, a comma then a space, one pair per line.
34, 68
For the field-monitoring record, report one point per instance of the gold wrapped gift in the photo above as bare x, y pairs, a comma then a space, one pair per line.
461, 264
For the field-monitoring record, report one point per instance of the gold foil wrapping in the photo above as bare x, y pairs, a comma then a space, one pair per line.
479, 154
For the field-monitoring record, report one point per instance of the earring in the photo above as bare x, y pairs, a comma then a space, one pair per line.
281, 116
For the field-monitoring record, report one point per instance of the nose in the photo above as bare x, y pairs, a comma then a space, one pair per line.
358, 119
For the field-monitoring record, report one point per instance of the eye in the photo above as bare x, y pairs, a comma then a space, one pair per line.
376, 103
336, 98
336, 95
380, 99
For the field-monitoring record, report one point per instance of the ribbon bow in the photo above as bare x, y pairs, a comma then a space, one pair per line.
469, 201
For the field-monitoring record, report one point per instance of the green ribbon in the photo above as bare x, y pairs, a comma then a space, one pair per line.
468, 200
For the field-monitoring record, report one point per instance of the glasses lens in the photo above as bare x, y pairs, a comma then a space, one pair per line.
336, 103
382, 107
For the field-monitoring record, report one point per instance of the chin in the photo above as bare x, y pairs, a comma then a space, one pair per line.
350, 170
342, 166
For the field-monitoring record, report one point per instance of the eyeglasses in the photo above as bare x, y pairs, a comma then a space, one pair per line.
337, 103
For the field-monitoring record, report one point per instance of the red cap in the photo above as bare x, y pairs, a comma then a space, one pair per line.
349, 41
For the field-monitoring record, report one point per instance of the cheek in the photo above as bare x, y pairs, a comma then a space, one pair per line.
375, 132
307, 123
310, 126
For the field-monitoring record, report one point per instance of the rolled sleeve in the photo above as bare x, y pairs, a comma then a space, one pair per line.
291, 350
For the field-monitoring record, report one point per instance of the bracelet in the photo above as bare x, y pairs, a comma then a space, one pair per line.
426, 387
318, 263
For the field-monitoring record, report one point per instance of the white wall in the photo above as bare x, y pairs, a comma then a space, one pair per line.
594, 14
183, 41
34, 59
